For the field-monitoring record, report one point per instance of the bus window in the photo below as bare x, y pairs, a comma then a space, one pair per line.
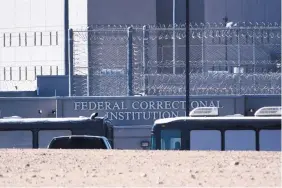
170, 140
153, 142
163, 144
45, 136
240, 140
15, 139
205, 140
270, 140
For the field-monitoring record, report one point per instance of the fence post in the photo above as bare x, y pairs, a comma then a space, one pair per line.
129, 61
202, 55
70, 58
145, 57
254, 60
89, 67
239, 61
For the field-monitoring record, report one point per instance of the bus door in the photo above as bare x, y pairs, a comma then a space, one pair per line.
170, 139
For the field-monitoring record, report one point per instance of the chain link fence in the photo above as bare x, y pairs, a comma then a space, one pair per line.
225, 59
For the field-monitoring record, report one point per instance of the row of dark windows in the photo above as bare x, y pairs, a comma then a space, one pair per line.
31, 39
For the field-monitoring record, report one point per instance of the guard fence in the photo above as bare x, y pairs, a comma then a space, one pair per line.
224, 59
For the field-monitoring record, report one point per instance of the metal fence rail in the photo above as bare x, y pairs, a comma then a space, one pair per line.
150, 60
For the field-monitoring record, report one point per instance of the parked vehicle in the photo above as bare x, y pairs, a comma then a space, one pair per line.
93, 125
79, 142
204, 130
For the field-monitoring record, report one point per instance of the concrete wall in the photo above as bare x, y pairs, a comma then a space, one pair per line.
256, 102
49, 86
34, 41
27, 107
129, 111
216, 10
165, 11
243, 11
18, 94
121, 12
133, 116
78, 11
30, 14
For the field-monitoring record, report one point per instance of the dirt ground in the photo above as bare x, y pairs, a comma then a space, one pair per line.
126, 168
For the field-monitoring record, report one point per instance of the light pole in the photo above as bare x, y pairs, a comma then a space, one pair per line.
173, 37
187, 67
66, 33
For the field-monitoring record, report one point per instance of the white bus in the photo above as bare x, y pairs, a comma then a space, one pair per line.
204, 130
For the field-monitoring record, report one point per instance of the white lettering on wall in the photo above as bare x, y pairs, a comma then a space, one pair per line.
142, 115
141, 110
